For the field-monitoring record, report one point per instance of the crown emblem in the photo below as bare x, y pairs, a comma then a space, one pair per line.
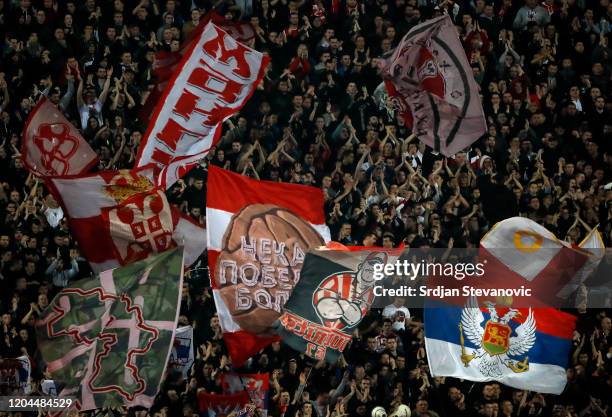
124, 186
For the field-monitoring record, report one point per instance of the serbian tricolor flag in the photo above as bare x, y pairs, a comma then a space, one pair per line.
256, 385
432, 85
520, 252
119, 217
524, 348
52, 146
258, 235
213, 80
222, 405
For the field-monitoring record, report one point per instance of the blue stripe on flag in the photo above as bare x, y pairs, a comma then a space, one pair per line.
442, 323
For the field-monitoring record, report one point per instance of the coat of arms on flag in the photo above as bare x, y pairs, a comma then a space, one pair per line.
107, 340
525, 348
121, 216
497, 343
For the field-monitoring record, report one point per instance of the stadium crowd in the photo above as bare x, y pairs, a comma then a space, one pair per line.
320, 117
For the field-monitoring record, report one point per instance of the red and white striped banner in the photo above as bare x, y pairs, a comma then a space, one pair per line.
258, 234
213, 81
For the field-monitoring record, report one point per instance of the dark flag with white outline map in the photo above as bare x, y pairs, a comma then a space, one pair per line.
432, 85
107, 340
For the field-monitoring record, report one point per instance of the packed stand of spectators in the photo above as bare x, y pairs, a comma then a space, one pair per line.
320, 117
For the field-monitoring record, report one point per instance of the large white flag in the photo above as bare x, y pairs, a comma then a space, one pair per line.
431, 82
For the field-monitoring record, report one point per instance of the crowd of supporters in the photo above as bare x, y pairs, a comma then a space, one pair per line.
321, 117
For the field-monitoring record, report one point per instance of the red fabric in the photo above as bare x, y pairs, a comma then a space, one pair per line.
52, 146
135, 223
231, 192
218, 405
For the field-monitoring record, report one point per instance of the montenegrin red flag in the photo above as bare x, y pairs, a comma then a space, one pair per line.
214, 79
119, 217
52, 146
431, 83
258, 234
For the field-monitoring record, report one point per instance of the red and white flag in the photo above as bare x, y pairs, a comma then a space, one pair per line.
432, 85
119, 217
256, 385
213, 81
166, 63
520, 252
52, 146
222, 405
258, 234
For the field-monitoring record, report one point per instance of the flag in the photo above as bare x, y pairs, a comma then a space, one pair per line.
52, 146
49, 387
181, 356
431, 82
519, 251
335, 292
256, 385
222, 405
214, 79
166, 63
108, 339
524, 348
258, 234
121, 216
15, 376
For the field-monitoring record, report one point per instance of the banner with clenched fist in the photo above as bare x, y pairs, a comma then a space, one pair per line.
335, 292
258, 235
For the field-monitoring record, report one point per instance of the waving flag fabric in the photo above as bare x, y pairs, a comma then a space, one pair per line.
214, 79
519, 251
522, 348
431, 82
107, 340
182, 356
258, 235
335, 292
121, 216
256, 385
222, 405
52, 146
15, 376
166, 63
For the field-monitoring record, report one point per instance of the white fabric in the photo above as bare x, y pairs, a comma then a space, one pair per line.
54, 216
444, 360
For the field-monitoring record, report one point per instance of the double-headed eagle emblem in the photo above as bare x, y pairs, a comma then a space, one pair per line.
497, 348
